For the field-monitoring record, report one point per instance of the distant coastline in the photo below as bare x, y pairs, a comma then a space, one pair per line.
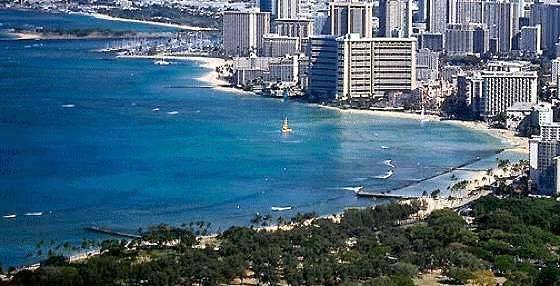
162, 24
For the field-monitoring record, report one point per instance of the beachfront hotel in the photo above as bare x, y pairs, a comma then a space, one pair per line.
243, 32
370, 67
498, 87
502, 89
323, 56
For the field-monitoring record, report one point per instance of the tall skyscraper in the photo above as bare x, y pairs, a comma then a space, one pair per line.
502, 19
421, 14
322, 67
466, 39
530, 40
438, 15
286, 9
243, 32
548, 16
370, 67
556, 72
395, 18
351, 17
468, 11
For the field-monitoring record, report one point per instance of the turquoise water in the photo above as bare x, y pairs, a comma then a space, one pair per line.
107, 159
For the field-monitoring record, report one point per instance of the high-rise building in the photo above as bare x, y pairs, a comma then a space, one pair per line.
321, 23
370, 67
395, 18
322, 67
265, 5
301, 28
351, 18
468, 11
279, 46
502, 89
466, 39
556, 72
544, 163
259, 70
286, 9
438, 15
431, 41
427, 65
530, 40
421, 13
548, 16
243, 32
469, 88
502, 19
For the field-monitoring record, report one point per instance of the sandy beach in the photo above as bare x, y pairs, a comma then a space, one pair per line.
519, 144
170, 25
25, 36
210, 63
211, 77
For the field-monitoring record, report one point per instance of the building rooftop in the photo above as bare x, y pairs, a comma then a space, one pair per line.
522, 106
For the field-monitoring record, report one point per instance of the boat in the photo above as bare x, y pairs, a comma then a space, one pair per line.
173, 112
10, 216
34, 214
423, 116
285, 127
384, 147
161, 62
68, 106
279, 209
386, 176
155, 109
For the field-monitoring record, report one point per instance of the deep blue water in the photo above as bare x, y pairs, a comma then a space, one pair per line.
112, 161
51, 21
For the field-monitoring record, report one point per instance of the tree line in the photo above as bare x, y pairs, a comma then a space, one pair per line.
514, 238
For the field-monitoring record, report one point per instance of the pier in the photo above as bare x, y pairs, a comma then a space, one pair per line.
384, 195
112, 232
194, 86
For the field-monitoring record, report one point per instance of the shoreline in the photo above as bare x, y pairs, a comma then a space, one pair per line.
210, 77
21, 36
155, 23
518, 144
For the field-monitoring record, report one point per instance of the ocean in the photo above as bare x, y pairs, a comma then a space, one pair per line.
80, 142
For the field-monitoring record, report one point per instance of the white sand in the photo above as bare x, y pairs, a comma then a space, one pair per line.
26, 36
171, 25
210, 78
521, 144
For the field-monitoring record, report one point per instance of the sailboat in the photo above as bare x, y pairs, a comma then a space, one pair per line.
285, 127
423, 116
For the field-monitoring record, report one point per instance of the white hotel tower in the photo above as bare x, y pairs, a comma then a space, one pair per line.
370, 67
